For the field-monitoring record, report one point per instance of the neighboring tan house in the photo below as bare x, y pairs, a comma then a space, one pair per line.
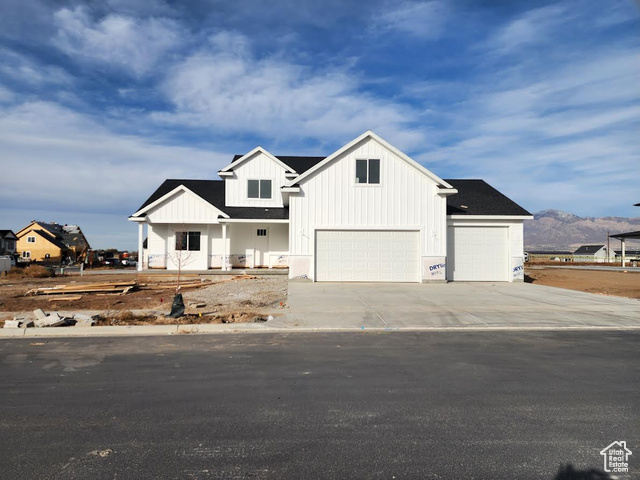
7, 242
51, 242
367, 212
593, 253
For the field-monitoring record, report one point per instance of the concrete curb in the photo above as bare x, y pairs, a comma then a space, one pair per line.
208, 329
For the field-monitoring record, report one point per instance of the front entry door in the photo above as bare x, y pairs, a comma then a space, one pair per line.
261, 247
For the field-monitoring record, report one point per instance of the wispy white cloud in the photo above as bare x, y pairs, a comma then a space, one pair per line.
24, 70
420, 19
532, 27
227, 88
124, 42
88, 165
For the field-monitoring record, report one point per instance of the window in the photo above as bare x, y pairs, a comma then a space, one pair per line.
31, 239
26, 254
262, 232
368, 171
188, 241
259, 189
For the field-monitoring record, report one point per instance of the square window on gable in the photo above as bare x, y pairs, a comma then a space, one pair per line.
259, 189
368, 170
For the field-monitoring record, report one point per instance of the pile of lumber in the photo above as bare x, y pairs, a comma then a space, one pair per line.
72, 288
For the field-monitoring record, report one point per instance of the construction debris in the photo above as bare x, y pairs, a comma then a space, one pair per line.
108, 287
51, 320
67, 298
12, 324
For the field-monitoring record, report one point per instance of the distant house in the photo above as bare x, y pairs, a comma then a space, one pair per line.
51, 242
7, 242
593, 253
555, 255
631, 255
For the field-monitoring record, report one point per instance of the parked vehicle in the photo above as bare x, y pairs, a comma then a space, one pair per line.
111, 262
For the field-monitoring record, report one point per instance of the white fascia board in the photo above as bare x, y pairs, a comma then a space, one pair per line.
290, 174
251, 220
225, 174
290, 189
384, 143
446, 191
137, 219
179, 188
258, 149
490, 217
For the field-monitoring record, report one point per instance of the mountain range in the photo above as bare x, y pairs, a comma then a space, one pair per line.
558, 230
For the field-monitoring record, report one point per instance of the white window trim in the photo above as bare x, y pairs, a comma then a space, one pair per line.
367, 184
259, 189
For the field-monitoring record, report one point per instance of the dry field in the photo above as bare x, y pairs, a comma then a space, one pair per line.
619, 284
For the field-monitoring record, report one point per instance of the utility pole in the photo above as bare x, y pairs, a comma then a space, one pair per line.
608, 250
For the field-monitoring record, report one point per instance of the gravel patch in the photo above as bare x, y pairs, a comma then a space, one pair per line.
235, 295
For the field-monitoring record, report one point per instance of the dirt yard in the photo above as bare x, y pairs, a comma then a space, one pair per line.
619, 284
221, 299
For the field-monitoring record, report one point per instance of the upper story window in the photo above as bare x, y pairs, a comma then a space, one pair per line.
368, 171
259, 189
31, 239
188, 241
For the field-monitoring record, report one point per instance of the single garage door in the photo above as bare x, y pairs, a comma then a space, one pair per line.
478, 254
367, 256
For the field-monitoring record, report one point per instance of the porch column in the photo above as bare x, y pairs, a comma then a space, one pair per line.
140, 242
226, 249
622, 246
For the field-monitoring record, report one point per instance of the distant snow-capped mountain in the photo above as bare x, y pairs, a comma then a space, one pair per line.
558, 230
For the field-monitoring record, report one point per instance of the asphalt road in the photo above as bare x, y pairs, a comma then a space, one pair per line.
483, 405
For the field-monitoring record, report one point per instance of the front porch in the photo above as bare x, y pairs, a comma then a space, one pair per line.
222, 246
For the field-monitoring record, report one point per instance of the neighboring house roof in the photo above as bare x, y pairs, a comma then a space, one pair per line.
212, 191
627, 252
62, 236
477, 197
588, 249
51, 237
297, 163
7, 234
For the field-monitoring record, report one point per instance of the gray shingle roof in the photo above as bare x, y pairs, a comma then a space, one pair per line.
588, 249
212, 191
477, 197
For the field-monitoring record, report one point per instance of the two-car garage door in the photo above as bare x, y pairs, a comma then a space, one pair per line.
478, 254
367, 256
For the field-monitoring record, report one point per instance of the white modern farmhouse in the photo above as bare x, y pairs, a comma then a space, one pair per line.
366, 213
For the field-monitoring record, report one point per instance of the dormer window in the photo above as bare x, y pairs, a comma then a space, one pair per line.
368, 170
259, 188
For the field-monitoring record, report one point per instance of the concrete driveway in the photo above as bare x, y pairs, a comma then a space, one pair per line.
477, 305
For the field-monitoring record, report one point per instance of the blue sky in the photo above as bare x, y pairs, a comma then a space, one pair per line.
101, 101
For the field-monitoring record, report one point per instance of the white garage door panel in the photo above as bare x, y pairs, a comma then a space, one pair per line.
478, 254
367, 256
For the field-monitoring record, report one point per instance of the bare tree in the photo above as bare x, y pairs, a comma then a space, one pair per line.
183, 253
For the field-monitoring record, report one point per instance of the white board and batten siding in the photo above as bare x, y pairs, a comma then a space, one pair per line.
405, 200
258, 167
183, 207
